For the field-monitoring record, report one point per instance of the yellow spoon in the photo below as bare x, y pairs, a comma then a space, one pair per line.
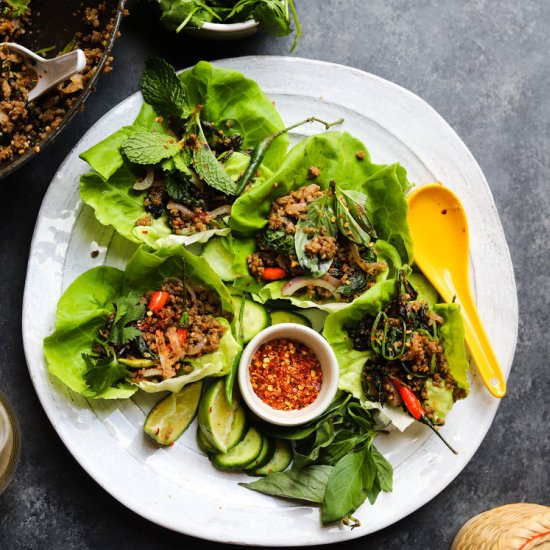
440, 237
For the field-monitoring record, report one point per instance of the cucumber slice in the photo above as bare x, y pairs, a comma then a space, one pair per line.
223, 425
280, 460
281, 316
255, 318
242, 454
266, 454
219, 257
169, 418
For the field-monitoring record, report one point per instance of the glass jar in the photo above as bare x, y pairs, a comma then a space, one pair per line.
10, 442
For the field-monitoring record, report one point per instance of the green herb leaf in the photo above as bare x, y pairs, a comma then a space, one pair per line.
349, 484
307, 484
183, 191
384, 470
103, 372
209, 169
163, 90
127, 310
279, 241
320, 221
150, 147
19, 7
352, 217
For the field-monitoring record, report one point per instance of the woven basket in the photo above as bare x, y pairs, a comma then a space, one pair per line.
520, 526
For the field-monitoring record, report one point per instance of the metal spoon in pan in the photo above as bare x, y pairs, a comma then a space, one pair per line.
49, 72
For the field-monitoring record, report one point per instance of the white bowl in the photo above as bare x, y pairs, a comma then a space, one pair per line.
224, 31
329, 366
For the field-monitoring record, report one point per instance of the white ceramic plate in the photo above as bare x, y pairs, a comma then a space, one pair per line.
177, 487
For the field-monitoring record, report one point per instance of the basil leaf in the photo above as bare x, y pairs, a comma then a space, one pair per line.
307, 452
356, 203
183, 191
209, 169
307, 484
320, 222
349, 484
384, 470
349, 226
343, 443
150, 147
163, 90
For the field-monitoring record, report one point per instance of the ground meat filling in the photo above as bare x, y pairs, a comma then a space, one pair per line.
421, 359
22, 124
194, 208
353, 279
185, 327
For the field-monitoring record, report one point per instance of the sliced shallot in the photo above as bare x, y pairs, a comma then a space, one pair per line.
146, 182
300, 282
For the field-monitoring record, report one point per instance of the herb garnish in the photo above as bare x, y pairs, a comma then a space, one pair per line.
335, 463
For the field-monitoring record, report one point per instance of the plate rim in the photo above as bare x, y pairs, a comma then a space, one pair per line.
206, 533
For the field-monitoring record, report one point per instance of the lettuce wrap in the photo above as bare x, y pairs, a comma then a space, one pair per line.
85, 307
331, 159
207, 96
352, 361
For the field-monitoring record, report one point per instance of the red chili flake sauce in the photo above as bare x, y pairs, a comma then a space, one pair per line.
286, 375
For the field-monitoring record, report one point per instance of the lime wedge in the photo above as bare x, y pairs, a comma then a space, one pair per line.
169, 418
223, 425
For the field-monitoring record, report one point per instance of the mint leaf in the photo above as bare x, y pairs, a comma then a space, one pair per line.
103, 372
209, 169
150, 147
127, 310
163, 90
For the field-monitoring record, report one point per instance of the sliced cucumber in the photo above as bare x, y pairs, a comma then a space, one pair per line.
216, 252
169, 418
223, 425
255, 318
266, 454
242, 454
280, 460
281, 316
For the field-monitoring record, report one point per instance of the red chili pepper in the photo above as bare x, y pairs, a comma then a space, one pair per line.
415, 408
182, 335
411, 401
157, 301
273, 273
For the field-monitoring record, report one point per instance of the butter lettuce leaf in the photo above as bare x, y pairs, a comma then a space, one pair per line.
335, 155
88, 302
228, 99
351, 361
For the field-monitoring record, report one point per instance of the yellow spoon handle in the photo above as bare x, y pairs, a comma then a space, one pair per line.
480, 347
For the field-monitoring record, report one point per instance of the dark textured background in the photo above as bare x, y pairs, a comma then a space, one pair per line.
484, 65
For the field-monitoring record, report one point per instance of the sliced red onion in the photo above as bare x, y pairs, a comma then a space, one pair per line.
189, 289
146, 182
177, 350
197, 348
332, 280
187, 213
148, 373
300, 282
221, 211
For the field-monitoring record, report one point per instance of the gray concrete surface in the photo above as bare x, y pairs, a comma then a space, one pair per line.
484, 65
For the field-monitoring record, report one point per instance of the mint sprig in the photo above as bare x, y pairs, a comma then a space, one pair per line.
150, 147
163, 90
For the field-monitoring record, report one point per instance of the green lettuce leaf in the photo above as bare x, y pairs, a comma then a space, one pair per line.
233, 102
273, 291
335, 155
89, 300
351, 361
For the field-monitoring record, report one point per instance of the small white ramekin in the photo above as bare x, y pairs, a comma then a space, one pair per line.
224, 31
329, 365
